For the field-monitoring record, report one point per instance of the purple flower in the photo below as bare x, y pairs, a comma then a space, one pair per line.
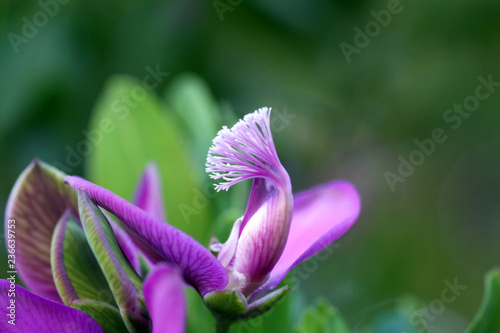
257, 240
274, 235
267, 241
277, 231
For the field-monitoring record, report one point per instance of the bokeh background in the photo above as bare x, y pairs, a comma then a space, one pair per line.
353, 117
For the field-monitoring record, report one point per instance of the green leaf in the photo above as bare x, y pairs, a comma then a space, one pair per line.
191, 99
77, 274
107, 316
123, 280
192, 102
322, 318
129, 129
487, 318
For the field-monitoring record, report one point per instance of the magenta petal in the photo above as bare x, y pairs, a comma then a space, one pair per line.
321, 215
263, 238
36, 314
165, 300
199, 267
148, 194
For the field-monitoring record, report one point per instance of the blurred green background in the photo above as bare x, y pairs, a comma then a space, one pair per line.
351, 117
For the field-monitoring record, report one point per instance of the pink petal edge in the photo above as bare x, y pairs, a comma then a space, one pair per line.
321, 215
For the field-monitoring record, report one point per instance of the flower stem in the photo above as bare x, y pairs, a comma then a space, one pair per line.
222, 326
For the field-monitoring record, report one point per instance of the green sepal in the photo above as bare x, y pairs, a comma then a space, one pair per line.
322, 318
124, 282
264, 304
76, 272
107, 316
226, 305
230, 306
487, 318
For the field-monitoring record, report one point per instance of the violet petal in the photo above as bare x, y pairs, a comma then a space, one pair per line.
199, 267
165, 299
148, 195
37, 314
321, 215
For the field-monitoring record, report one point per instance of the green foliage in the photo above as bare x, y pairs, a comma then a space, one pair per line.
322, 318
136, 129
487, 319
192, 101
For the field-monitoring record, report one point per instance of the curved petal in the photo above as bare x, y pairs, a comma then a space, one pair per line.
36, 203
200, 268
32, 313
321, 215
165, 300
246, 151
228, 249
148, 194
263, 239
